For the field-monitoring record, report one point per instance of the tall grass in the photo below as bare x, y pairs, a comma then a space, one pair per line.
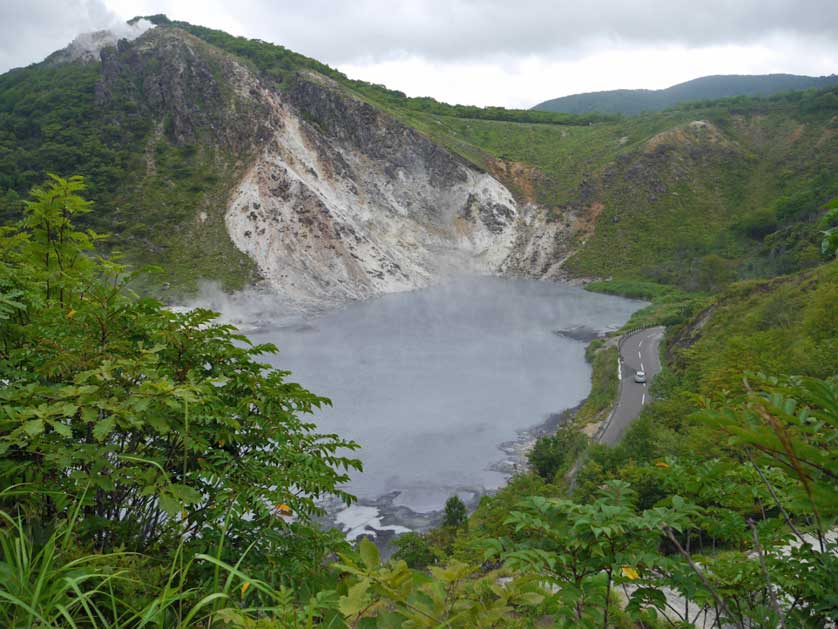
41, 586
44, 584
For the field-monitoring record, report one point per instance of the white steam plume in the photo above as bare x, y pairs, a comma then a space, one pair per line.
88, 45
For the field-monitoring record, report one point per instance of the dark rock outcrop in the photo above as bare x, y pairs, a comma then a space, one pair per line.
179, 79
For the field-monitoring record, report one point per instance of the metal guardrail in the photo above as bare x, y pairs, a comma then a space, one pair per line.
631, 333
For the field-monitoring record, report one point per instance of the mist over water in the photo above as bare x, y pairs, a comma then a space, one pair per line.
431, 382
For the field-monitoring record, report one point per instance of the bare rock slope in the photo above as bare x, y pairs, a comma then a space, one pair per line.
345, 202
337, 200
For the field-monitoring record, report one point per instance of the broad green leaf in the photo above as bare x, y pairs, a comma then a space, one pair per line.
531, 599
369, 554
61, 428
33, 427
355, 599
169, 504
103, 428
185, 493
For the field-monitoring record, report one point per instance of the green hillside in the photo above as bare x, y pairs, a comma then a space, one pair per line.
156, 472
694, 196
632, 102
149, 172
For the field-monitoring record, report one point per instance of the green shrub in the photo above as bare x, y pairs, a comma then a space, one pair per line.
455, 512
553, 455
156, 422
415, 550
757, 224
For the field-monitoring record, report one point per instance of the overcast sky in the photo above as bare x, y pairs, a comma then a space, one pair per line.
514, 53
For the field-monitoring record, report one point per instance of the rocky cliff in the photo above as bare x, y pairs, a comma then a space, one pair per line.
336, 199
344, 202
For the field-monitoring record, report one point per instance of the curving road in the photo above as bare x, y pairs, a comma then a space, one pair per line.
638, 352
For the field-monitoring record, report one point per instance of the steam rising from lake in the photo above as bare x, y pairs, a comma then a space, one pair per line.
431, 382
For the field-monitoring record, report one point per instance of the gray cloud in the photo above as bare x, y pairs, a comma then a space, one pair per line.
449, 44
32, 29
450, 30
341, 31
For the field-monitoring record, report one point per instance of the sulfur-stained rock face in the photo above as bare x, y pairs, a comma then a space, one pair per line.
336, 200
345, 202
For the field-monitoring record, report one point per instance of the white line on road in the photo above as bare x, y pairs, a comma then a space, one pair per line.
643, 401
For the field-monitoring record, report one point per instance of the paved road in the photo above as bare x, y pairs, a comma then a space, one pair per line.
639, 352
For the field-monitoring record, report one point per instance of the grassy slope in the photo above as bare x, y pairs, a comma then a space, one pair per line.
782, 326
666, 208
604, 384
182, 205
778, 327
786, 325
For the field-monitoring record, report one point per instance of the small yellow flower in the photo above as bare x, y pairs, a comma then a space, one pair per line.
245, 585
661, 464
71, 314
630, 573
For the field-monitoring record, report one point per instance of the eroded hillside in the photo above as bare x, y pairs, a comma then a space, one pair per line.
345, 202
328, 197
694, 197
236, 160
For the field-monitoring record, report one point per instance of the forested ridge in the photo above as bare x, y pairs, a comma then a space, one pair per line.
155, 471
702, 88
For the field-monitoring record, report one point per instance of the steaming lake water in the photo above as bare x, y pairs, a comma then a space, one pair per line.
432, 382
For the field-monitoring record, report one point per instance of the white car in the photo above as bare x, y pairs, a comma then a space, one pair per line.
640, 377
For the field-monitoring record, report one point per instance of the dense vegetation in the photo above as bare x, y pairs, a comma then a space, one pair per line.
701, 89
48, 120
138, 433
146, 183
136, 488
154, 472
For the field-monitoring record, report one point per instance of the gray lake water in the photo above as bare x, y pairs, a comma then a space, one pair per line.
431, 382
